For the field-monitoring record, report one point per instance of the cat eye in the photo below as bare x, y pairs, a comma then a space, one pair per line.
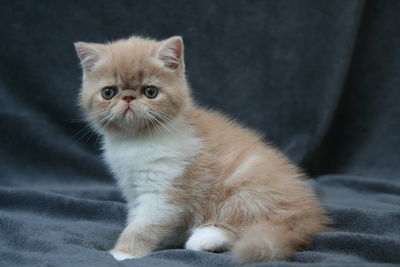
108, 92
150, 91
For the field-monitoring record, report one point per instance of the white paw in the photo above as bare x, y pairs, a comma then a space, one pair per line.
208, 238
120, 256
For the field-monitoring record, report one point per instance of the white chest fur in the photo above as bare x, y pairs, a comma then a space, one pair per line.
145, 167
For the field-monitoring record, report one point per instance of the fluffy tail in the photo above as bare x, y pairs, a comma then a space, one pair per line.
267, 241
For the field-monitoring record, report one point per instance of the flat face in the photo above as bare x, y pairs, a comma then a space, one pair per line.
131, 68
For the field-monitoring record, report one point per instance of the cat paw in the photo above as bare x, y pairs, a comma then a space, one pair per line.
208, 238
120, 256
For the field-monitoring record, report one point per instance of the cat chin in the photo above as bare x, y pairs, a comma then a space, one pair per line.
130, 128
119, 127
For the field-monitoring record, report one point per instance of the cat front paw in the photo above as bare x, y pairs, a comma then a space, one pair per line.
120, 256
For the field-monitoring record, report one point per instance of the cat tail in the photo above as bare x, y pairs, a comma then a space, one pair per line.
261, 242
267, 241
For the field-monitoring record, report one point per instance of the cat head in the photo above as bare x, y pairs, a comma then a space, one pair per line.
133, 85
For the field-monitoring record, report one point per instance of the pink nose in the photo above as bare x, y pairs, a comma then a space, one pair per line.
128, 95
128, 98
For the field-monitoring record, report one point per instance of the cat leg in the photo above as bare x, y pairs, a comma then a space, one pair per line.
210, 237
139, 240
148, 225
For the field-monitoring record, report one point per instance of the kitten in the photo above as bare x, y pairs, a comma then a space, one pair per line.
189, 176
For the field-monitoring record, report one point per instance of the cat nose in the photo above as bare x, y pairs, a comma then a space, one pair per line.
128, 98
128, 95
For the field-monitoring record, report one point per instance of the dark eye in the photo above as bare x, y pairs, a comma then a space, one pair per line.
150, 91
108, 92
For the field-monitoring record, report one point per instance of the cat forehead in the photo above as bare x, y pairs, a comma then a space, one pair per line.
132, 50
130, 73
130, 66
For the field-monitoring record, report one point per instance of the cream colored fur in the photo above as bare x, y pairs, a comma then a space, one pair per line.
190, 175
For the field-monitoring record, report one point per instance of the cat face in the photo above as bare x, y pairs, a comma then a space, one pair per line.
133, 85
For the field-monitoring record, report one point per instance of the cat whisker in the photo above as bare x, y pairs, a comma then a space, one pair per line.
147, 124
87, 129
154, 118
166, 119
156, 125
160, 113
162, 118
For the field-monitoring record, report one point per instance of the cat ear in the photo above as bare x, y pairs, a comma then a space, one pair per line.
89, 54
171, 52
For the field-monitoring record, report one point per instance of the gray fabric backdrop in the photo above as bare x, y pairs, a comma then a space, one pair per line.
319, 78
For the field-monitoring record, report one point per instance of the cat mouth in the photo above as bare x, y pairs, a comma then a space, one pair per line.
127, 110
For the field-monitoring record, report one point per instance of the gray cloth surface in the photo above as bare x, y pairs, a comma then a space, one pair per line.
319, 78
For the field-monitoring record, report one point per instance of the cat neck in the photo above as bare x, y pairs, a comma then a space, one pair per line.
150, 163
